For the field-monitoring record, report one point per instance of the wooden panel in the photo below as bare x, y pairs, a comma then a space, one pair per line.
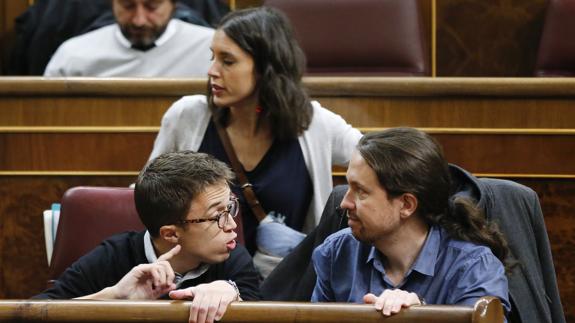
488, 37
426, 12
454, 112
128, 152
556, 197
360, 111
83, 111
9, 10
242, 4
75, 151
365, 102
31, 86
511, 154
24, 270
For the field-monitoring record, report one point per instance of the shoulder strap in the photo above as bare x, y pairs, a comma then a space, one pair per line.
245, 185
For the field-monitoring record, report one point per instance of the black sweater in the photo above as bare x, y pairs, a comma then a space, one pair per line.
105, 265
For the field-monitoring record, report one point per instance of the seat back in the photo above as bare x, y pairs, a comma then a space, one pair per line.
359, 37
89, 215
556, 56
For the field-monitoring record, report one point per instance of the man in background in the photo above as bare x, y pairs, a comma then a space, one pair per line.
144, 42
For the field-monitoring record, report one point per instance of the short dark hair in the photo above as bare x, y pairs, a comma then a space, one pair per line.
407, 160
166, 187
266, 35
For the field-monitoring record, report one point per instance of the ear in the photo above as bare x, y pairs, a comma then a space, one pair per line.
408, 206
170, 233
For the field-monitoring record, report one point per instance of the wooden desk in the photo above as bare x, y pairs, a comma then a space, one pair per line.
486, 310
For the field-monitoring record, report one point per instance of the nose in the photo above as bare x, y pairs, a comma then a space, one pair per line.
140, 17
347, 202
230, 224
213, 71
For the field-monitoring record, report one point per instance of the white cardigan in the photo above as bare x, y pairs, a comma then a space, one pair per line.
329, 140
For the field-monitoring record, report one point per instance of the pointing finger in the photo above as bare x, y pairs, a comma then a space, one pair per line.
168, 255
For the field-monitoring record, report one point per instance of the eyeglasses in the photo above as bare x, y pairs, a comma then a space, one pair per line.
221, 218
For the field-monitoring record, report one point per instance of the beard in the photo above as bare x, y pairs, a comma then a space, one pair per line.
363, 236
360, 232
142, 37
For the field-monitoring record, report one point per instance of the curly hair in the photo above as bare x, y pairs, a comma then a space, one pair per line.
407, 160
266, 35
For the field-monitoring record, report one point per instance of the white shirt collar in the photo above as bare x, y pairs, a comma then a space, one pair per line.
168, 33
152, 257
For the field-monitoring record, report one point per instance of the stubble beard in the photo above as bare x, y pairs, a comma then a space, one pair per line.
362, 236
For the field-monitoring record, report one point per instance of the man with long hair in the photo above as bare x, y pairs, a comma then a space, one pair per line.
408, 240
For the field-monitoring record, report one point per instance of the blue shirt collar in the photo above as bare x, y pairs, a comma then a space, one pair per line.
425, 262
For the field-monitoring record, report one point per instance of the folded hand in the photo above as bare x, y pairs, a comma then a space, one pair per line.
209, 301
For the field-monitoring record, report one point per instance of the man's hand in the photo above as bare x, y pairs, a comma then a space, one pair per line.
392, 300
210, 301
146, 281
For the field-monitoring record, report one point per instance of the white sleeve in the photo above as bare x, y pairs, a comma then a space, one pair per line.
343, 136
167, 136
183, 126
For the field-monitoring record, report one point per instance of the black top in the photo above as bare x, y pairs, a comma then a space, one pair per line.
106, 264
281, 182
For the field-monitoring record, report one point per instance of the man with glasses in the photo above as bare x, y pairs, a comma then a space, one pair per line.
187, 252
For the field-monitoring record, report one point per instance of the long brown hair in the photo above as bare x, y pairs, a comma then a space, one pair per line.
407, 160
279, 62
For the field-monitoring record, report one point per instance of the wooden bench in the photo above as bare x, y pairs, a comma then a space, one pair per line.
503, 120
59, 133
486, 310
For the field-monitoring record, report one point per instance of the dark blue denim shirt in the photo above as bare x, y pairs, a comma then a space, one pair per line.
447, 271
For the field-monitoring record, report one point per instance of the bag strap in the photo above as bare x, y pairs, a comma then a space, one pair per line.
246, 186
